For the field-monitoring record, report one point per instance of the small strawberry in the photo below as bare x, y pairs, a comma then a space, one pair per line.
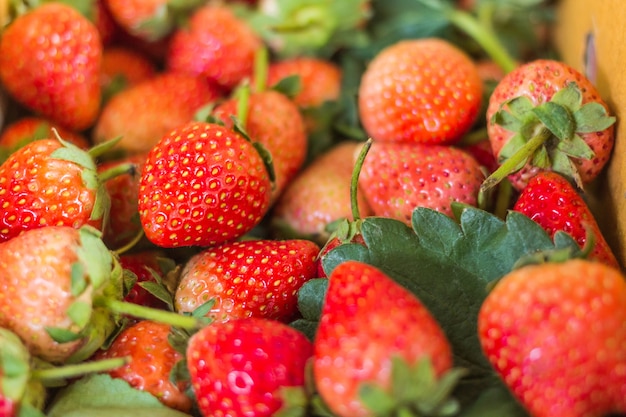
51, 182
368, 321
123, 67
396, 178
273, 120
152, 360
555, 333
545, 115
420, 91
258, 278
216, 44
553, 202
56, 76
202, 184
320, 195
142, 114
239, 367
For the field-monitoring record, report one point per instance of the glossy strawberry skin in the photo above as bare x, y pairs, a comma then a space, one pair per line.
396, 178
37, 190
237, 367
152, 359
274, 121
420, 91
61, 86
553, 202
360, 330
258, 278
28, 128
555, 334
215, 44
142, 114
202, 184
539, 80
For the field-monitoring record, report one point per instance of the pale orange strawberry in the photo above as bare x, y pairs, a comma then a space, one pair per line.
123, 67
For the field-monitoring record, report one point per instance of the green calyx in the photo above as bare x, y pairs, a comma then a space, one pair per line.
548, 135
415, 390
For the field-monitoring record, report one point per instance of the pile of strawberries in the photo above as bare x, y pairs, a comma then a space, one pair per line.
176, 176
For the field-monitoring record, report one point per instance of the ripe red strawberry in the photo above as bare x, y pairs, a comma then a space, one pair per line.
360, 332
29, 128
142, 114
123, 223
553, 202
320, 195
152, 360
420, 91
216, 44
49, 278
255, 278
56, 76
202, 184
396, 178
238, 367
50, 183
273, 120
545, 115
555, 333
143, 265
123, 67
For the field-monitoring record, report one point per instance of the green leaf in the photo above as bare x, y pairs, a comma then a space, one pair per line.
311, 298
95, 257
557, 118
61, 335
14, 365
79, 312
159, 291
575, 147
103, 396
592, 117
376, 399
289, 86
569, 97
519, 106
449, 267
72, 153
495, 402
77, 279
511, 146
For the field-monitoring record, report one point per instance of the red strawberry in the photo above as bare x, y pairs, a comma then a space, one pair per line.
152, 360
555, 333
238, 367
420, 91
49, 278
142, 114
553, 202
258, 278
143, 265
50, 183
216, 44
123, 224
396, 178
545, 115
202, 184
123, 67
273, 120
360, 332
56, 76
320, 195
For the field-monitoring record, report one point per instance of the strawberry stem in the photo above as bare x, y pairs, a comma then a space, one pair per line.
116, 171
147, 313
243, 103
261, 60
514, 162
354, 182
130, 244
79, 369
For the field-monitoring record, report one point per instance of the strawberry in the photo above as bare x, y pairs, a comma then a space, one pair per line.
48, 279
57, 76
202, 184
238, 367
273, 120
143, 265
123, 224
216, 44
50, 182
555, 333
142, 114
258, 278
554, 203
123, 67
29, 128
320, 195
361, 332
420, 91
545, 115
396, 178
152, 360
106, 25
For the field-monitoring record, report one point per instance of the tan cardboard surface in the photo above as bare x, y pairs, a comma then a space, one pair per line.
606, 19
